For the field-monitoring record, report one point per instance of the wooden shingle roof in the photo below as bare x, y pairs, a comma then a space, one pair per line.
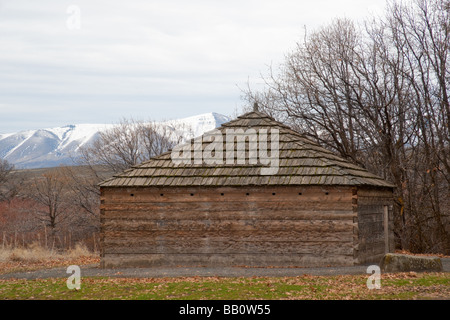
301, 162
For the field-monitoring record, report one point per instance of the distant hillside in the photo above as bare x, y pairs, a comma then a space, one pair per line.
60, 146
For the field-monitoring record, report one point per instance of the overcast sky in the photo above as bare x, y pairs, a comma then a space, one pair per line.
84, 61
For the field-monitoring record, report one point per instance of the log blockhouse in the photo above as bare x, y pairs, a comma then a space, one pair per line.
316, 210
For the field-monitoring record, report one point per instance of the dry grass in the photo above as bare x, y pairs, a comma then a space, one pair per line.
36, 257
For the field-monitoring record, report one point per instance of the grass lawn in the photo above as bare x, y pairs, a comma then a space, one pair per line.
393, 286
349, 287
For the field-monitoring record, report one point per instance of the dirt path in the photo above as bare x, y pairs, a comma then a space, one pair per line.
95, 271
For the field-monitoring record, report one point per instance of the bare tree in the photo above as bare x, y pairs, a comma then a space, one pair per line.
8, 189
50, 192
84, 192
422, 31
129, 143
378, 95
5, 170
126, 144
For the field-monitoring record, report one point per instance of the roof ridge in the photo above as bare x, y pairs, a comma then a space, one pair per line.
249, 116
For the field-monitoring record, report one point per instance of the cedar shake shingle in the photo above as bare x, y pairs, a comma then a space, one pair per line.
301, 162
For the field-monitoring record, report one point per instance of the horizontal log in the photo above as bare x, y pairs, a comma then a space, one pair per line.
166, 228
371, 240
213, 216
227, 191
280, 215
166, 225
373, 228
226, 194
370, 209
375, 201
376, 244
195, 246
223, 260
370, 218
370, 258
221, 235
374, 192
372, 247
268, 197
243, 206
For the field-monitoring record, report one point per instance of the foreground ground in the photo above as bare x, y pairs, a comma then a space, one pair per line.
22, 279
393, 286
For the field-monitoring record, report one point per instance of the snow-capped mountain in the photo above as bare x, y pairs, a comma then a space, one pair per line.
60, 146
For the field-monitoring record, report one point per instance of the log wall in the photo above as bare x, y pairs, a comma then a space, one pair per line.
260, 226
373, 205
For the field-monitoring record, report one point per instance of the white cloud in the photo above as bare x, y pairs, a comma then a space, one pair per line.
158, 59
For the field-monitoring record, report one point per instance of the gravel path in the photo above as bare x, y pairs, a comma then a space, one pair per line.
94, 270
